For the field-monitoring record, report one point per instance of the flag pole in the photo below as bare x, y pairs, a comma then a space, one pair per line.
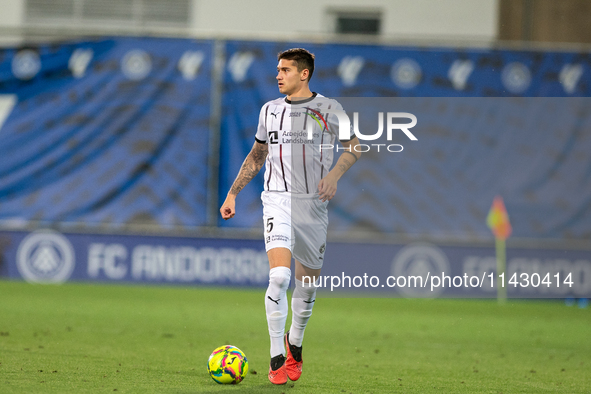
501, 268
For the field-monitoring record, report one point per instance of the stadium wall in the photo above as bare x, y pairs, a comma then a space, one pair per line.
465, 20
351, 269
108, 138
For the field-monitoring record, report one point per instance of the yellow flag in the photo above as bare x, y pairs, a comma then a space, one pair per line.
498, 220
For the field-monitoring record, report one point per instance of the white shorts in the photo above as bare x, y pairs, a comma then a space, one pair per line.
296, 222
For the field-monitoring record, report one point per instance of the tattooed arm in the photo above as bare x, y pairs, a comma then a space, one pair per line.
250, 168
328, 185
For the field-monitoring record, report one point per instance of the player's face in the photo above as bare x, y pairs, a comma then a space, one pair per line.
289, 79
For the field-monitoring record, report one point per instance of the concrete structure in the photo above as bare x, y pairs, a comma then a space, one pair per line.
400, 20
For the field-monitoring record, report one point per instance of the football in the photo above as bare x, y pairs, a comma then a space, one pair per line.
227, 365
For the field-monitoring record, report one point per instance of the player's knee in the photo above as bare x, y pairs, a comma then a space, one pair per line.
305, 314
305, 292
280, 277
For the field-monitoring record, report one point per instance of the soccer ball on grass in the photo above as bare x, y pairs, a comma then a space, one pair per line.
227, 365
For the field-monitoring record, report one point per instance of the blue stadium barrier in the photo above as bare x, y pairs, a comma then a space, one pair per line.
112, 131
351, 269
475, 139
116, 131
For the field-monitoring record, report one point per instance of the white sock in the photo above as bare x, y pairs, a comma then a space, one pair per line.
276, 307
302, 303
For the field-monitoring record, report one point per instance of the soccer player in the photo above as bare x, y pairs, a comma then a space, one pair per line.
293, 138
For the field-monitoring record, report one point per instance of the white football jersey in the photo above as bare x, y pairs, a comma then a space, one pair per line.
295, 163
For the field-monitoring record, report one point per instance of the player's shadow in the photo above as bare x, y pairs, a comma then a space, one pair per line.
264, 387
253, 383
248, 389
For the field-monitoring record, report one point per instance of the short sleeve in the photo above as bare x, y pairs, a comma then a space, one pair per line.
261, 134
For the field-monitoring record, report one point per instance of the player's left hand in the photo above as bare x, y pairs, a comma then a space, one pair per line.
327, 187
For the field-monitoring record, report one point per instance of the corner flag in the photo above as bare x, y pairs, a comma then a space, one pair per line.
498, 221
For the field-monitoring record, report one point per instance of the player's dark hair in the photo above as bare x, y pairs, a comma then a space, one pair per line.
303, 58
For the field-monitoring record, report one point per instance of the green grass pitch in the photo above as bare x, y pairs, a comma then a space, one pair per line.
78, 338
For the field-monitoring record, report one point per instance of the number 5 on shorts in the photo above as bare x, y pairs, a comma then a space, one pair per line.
269, 225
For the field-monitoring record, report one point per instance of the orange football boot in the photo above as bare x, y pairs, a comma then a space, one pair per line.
294, 361
279, 374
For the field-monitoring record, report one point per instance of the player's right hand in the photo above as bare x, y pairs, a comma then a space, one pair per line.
228, 209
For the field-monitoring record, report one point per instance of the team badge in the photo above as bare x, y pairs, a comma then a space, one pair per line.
45, 256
